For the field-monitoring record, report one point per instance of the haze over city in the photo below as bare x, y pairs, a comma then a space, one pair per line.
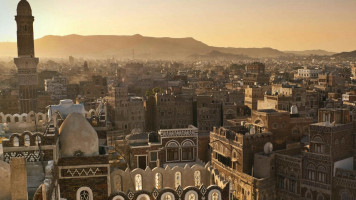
177, 100
279, 24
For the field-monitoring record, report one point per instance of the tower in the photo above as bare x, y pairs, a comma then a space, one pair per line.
26, 62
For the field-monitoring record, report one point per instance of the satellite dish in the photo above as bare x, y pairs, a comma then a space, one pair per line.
268, 148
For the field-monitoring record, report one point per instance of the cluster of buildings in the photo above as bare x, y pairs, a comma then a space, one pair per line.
165, 131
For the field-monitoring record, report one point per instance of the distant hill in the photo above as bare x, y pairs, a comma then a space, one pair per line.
105, 46
351, 54
218, 55
311, 52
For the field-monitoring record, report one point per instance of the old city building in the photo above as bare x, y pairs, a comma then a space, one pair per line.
168, 147
254, 94
127, 113
57, 88
255, 75
168, 111
217, 128
208, 112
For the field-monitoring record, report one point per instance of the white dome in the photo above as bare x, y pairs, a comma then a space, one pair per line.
78, 136
5, 193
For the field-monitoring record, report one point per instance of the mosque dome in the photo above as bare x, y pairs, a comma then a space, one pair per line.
5, 193
77, 137
24, 8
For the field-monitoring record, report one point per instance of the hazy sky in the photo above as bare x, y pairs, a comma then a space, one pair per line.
281, 24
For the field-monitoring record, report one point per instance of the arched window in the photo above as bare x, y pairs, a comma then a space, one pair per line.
214, 195
84, 193
197, 178
178, 179
138, 182
172, 151
118, 198
188, 150
16, 119
191, 195
321, 174
158, 181
40, 118
143, 197
292, 184
319, 146
311, 172
8, 119
15, 141
24, 119
167, 196
27, 140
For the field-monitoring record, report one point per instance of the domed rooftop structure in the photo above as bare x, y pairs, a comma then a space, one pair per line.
77, 137
24, 8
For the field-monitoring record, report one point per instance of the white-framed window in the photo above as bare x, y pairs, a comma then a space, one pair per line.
172, 151
15, 141
84, 193
27, 141
153, 156
188, 150
138, 182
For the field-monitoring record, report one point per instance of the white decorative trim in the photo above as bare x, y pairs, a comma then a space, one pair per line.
86, 189
80, 172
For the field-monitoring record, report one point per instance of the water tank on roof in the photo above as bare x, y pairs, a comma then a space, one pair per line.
294, 110
268, 148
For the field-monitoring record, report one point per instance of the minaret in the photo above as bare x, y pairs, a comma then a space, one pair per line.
26, 62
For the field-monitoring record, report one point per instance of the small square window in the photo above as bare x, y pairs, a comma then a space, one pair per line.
153, 156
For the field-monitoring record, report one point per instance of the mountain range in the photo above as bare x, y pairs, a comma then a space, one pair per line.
107, 46
351, 54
